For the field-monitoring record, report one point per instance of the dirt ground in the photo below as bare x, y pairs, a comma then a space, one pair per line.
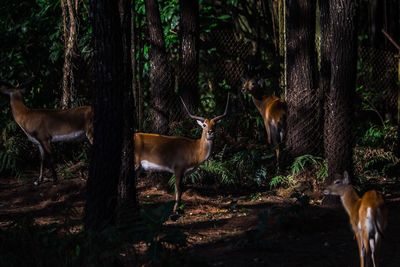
239, 228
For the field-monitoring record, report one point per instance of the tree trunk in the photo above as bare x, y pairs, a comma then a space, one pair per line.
69, 10
108, 81
127, 188
339, 108
189, 67
134, 49
161, 82
325, 56
140, 64
304, 112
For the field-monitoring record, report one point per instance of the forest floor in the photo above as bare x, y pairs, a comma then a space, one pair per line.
239, 228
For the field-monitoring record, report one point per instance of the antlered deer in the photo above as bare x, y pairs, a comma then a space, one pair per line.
368, 217
43, 126
175, 154
273, 111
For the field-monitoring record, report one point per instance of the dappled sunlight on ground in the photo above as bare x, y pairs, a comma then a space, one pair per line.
230, 229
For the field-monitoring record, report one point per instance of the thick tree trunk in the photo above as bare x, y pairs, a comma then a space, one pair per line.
189, 67
325, 56
108, 81
339, 108
304, 112
161, 82
127, 188
134, 49
69, 14
140, 83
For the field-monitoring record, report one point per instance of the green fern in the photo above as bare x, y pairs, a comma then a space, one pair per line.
319, 165
306, 162
281, 180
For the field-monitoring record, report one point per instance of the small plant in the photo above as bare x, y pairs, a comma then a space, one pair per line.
281, 180
373, 136
301, 164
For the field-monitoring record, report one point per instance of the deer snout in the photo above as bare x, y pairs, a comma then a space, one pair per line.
210, 135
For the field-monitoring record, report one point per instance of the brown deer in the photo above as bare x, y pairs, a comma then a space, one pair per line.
273, 110
43, 126
175, 154
368, 217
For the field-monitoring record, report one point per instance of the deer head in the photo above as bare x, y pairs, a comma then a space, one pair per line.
339, 186
208, 125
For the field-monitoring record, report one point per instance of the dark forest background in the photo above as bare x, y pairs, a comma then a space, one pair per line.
338, 73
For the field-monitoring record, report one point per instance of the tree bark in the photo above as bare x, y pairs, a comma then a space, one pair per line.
325, 56
108, 81
127, 188
161, 82
304, 112
189, 67
69, 14
140, 82
339, 107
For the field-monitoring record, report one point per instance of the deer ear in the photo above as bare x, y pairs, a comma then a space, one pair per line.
200, 123
346, 179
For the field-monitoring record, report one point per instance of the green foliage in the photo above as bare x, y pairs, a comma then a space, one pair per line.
373, 136
300, 165
378, 136
170, 19
210, 19
239, 168
30, 41
281, 180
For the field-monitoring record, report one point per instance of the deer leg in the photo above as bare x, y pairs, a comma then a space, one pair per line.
178, 189
42, 158
376, 252
50, 161
361, 249
277, 154
372, 247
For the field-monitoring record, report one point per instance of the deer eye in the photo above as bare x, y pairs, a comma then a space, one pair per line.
204, 125
337, 182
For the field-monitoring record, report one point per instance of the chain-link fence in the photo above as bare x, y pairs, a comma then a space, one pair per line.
228, 60
376, 69
224, 57
377, 79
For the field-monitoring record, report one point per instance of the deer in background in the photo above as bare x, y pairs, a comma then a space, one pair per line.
175, 154
273, 111
43, 126
368, 217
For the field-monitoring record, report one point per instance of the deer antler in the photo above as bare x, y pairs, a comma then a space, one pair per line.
190, 115
226, 110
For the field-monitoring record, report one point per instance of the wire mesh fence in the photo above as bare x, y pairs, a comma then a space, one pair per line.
377, 79
223, 58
